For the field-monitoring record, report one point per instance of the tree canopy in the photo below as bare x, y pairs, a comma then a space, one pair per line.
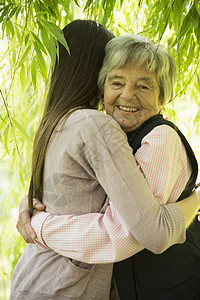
29, 34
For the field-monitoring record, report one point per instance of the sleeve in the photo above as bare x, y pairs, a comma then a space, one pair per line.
110, 158
91, 238
163, 161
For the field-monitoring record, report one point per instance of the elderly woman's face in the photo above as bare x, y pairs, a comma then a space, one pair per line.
131, 96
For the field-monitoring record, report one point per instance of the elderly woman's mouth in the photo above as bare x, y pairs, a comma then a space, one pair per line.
127, 108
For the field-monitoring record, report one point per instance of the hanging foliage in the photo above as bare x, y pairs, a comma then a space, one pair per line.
29, 31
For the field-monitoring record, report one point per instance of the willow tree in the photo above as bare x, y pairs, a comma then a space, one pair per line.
29, 34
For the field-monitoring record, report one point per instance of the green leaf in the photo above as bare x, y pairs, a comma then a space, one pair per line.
6, 131
27, 38
24, 56
22, 76
44, 36
52, 8
34, 72
18, 11
197, 34
21, 129
198, 80
177, 12
5, 12
14, 57
18, 34
197, 6
190, 55
10, 28
104, 20
56, 32
187, 23
197, 119
53, 51
195, 20
88, 3
40, 59
11, 14
76, 2
3, 28
38, 42
3, 122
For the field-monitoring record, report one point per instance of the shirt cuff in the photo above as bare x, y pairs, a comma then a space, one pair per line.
37, 223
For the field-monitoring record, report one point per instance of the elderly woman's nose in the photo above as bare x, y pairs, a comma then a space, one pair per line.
127, 93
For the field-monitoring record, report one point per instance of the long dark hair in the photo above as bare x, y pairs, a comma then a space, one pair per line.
73, 84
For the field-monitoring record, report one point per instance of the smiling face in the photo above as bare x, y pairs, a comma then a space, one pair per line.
131, 96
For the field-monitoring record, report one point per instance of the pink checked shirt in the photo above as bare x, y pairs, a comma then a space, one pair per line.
100, 238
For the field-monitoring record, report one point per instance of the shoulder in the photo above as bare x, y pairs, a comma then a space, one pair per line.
164, 129
88, 116
89, 121
87, 127
163, 134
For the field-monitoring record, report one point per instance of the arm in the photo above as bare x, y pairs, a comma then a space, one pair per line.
165, 165
163, 161
91, 238
94, 238
106, 239
187, 205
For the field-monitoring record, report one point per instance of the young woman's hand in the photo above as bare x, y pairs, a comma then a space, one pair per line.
24, 220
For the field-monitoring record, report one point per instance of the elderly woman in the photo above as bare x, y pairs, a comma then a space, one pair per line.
139, 79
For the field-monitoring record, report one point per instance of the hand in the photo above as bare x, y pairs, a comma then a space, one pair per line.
36, 211
24, 221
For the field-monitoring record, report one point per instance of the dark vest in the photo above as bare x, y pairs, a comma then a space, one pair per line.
174, 274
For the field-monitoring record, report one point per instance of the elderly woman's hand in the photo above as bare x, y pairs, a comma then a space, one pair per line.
24, 221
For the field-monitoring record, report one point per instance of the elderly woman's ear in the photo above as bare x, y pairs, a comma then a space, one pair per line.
101, 104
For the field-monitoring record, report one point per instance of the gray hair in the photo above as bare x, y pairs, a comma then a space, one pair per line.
134, 49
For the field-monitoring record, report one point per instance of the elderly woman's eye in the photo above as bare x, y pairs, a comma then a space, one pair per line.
116, 83
143, 87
